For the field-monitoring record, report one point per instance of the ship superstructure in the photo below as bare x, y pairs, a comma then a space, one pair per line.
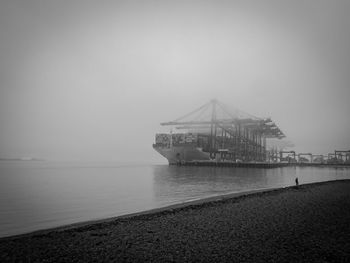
214, 132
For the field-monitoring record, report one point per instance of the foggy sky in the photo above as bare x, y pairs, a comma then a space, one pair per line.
93, 79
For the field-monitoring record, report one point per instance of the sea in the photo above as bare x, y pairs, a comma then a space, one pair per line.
41, 195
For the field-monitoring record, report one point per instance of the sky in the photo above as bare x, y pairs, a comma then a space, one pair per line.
92, 80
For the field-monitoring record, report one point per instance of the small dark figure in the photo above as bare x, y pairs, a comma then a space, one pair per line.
296, 181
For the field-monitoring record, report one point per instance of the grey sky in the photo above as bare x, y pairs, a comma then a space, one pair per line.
93, 79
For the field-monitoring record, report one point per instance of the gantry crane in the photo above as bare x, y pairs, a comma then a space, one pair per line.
340, 154
238, 135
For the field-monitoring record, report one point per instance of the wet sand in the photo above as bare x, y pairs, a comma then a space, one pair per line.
310, 223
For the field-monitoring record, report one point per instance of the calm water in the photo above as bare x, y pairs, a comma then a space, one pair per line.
39, 195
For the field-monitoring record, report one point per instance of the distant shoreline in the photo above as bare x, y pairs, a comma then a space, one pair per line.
22, 159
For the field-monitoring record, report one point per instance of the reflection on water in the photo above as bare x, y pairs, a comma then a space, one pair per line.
42, 195
193, 182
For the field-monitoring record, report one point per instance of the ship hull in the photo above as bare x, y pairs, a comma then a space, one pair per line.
178, 154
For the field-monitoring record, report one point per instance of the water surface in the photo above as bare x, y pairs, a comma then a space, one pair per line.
39, 195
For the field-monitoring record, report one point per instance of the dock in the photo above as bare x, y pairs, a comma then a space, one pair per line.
260, 165
217, 135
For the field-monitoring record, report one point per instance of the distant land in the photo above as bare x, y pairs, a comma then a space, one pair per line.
22, 159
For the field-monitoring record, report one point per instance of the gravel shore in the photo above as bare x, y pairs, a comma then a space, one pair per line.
310, 223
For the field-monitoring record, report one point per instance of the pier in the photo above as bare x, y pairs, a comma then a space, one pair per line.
262, 165
234, 164
315, 160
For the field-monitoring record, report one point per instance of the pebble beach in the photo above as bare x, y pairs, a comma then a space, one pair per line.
309, 223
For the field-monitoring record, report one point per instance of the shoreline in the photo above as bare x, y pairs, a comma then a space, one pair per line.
150, 212
308, 223
164, 209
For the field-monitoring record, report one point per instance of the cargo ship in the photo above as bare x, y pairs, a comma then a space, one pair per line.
214, 133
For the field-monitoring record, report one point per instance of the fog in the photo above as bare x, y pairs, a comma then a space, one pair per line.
92, 80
